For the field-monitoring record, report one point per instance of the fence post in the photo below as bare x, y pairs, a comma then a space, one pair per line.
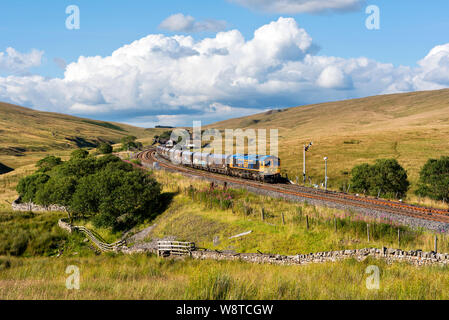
436, 243
283, 219
399, 238
367, 230
307, 222
262, 213
335, 224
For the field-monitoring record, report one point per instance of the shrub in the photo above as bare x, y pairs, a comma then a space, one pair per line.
79, 154
130, 143
386, 177
48, 163
434, 179
105, 148
29, 186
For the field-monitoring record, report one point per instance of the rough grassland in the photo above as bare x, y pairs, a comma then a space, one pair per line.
148, 277
410, 127
142, 277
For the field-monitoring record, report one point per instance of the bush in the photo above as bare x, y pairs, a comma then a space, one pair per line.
29, 186
130, 143
105, 148
434, 179
79, 154
48, 163
386, 177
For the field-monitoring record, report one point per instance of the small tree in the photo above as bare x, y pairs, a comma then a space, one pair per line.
48, 163
386, 177
79, 154
29, 186
434, 179
129, 142
105, 148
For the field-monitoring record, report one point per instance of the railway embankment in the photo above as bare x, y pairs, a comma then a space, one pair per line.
407, 217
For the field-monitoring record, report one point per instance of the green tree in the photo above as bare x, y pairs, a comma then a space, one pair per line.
105, 148
48, 163
106, 189
386, 177
361, 176
130, 143
79, 154
117, 198
434, 179
29, 186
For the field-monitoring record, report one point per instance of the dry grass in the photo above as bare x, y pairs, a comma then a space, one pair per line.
27, 135
142, 277
410, 127
200, 222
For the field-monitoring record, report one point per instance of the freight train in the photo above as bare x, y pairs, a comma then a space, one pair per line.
255, 167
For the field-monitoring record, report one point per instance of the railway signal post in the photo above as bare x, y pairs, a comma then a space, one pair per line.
306, 148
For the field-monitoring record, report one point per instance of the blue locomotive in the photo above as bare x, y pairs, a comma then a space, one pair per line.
255, 167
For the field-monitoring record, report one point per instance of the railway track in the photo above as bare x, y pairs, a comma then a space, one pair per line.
394, 207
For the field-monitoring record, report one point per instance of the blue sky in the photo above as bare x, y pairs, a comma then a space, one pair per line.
409, 30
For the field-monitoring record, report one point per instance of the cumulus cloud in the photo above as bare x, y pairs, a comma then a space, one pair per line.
172, 80
301, 6
13, 61
182, 23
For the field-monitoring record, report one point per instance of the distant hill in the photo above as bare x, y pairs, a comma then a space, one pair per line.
410, 127
25, 132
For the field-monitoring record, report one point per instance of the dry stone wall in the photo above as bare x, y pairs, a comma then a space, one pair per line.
415, 257
26, 207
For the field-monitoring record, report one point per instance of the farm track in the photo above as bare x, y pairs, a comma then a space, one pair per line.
393, 207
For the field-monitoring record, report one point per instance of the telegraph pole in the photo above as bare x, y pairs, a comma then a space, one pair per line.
306, 148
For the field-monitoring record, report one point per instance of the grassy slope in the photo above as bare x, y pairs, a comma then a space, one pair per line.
143, 277
201, 222
27, 135
410, 127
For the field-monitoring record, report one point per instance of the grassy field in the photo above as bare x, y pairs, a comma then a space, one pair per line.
39, 272
410, 127
143, 277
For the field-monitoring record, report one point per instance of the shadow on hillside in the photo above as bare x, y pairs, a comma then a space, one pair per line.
164, 202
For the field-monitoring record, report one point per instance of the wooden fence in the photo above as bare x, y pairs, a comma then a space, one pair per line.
175, 248
99, 241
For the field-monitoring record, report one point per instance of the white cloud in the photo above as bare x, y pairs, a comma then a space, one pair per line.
301, 6
172, 80
12, 61
333, 77
182, 23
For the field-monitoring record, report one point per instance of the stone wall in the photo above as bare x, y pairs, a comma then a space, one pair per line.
26, 207
417, 257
